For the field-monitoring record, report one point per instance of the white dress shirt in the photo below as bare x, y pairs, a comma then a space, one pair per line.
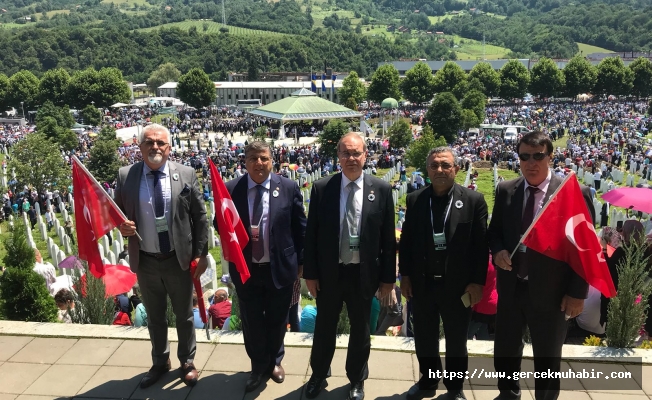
357, 201
264, 222
147, 222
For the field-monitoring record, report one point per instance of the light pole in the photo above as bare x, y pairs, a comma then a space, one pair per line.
22, 107
261, 97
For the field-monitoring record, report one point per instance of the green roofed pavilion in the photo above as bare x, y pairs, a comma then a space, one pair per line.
303, 105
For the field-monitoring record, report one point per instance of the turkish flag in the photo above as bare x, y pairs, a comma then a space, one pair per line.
96, 216
564, 231
233, 235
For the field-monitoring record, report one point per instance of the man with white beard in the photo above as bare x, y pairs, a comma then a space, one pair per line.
163, 202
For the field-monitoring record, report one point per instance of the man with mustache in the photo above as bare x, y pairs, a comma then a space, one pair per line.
163, 202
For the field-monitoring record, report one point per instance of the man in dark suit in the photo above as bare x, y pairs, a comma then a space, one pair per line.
443, 254
163, 202
350, 252
533, 290
271, 209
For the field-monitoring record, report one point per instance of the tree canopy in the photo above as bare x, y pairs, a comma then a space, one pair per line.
196, 89
418, 84
384, 84
352, 88
514, 80
445, 116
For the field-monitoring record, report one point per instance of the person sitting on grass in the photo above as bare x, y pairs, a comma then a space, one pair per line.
65, 302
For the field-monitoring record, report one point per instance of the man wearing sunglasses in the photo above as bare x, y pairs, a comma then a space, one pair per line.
533, 290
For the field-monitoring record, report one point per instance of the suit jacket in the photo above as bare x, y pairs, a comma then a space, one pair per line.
549, 280
377, 234
287, 228
468, 252
189, 223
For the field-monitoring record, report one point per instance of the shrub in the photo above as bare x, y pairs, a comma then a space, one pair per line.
23, 293
91, 304
626, 312
592, 341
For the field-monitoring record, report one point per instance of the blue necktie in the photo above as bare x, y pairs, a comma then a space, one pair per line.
159, 211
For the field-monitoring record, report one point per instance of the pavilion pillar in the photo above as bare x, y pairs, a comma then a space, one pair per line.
281, 131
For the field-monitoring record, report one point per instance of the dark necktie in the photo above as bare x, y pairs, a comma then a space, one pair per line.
349, 227
258, 248
159, 211
526, 221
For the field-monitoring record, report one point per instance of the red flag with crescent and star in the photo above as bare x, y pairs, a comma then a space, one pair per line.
96, 216
564, 231
233, 235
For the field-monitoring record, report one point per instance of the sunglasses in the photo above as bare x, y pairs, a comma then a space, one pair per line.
537, 156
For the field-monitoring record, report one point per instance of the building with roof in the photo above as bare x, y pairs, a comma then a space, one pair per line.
228, 93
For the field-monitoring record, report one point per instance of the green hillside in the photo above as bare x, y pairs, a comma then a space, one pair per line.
214, 27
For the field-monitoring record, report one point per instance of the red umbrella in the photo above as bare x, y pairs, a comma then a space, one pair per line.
118, 279
639, 199
200, 296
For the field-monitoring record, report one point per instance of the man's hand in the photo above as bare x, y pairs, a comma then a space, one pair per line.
385, 289
313, 287
300, 274
475, 291
502, 260
202, 264
128, 228
406, 287
572, 306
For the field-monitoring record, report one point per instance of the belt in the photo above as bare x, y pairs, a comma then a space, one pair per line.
351, 265
260, 264
160, 256
436, 278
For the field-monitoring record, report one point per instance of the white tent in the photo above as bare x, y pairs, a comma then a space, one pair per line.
118, 105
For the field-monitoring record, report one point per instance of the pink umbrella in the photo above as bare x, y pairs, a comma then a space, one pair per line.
639, 199
118, 279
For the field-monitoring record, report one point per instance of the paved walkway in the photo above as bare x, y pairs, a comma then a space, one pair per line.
43, 368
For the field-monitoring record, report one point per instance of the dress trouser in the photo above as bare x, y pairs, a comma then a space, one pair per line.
547, 331
427, 308
159, 279
329, 306
264, 313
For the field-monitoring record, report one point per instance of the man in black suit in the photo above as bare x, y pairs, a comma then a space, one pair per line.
271, 209
443, 255
350, 251
533, 290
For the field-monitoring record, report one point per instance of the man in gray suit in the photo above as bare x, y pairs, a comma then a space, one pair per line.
163, 202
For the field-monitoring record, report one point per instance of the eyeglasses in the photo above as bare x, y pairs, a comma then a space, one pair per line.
444, 166
159, 143
537, 156
348, 155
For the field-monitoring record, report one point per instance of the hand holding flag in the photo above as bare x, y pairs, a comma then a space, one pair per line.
563, 230
233, 235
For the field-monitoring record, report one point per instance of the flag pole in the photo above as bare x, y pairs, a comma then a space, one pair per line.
79, 163
540, 213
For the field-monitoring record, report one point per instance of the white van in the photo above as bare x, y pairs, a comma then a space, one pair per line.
510, 135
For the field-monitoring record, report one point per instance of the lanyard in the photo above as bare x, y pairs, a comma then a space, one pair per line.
151, 200
448, 210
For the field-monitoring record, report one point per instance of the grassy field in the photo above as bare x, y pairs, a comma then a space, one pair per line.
439, 18
128, 2
52, 13
213, 27
485, 182
319, 14
11, 25
470, 49
588, 49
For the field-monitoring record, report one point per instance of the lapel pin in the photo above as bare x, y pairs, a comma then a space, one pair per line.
459, 204
175, 177
275, 193
371, 196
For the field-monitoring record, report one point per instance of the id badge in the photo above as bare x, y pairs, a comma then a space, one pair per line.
255, 232
521, 247
354, 243
161, 224
440, 241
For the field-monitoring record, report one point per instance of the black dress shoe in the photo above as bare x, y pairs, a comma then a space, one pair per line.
416, 393
253, 382
154, 374
508, 395
454, 395
357, 391
314, 387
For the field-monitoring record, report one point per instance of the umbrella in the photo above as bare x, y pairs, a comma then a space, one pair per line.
293, 167
417, 173
71, 262
200, 295
398, 233
118, 279
639, 199
240, 144
92, 134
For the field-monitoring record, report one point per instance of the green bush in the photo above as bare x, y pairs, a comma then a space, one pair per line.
627, 311
23, 293
91, 304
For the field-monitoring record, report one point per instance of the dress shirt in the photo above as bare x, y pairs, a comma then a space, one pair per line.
357, 201
538, 197
147, 223
264, 223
